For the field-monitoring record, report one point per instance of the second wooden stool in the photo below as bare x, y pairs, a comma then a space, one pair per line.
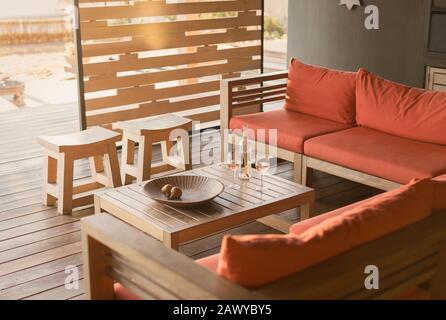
97, 144
147, 132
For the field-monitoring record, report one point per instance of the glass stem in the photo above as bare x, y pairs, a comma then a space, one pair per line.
233, 177
261, 181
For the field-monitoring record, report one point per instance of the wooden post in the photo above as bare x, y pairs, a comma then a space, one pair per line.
99, 286
96, 166
49, 176
65, 171
145, 159
112, 166
297, 175
128, 158
307, 173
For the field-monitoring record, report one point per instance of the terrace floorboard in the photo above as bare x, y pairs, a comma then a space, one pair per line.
37, 244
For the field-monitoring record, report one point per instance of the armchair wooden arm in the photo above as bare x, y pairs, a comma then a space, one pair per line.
238, 94
116, 251
246, 95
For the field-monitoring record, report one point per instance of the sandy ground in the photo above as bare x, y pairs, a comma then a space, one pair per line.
41, 68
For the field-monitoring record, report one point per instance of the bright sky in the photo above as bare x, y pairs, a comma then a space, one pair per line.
26, 8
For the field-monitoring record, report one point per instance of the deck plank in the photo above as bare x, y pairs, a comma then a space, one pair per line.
27, 275
38, 247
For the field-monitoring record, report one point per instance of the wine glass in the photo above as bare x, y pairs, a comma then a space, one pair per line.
233, 164
263, 164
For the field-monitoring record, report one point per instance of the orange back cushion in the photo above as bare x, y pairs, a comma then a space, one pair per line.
400, 110
321, 92
121, 293
254, 261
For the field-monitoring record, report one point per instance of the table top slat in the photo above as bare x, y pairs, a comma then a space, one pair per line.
166, 210
146, 210
253, 183
236, 200
245, 191
244, 194
109, 200
274, 183
227, 204
212, 209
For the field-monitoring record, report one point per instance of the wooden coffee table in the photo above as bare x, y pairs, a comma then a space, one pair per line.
175, 226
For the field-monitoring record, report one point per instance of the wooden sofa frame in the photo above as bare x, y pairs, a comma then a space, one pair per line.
310, 164
252, 92
239, 93
235, 95
117, 252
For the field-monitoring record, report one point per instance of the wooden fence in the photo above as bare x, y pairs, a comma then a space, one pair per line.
20, 31
151, 57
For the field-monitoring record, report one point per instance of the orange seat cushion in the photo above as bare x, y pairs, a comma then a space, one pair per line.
379, 154
255, 261
121, 293
304, 225
293, 128
210, 263
321, 92
400, 110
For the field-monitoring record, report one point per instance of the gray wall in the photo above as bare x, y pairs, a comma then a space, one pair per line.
323, 33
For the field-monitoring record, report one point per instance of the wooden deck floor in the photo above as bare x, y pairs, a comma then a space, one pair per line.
37, 244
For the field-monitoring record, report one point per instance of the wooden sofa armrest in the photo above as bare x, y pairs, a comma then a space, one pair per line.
117, 252
246, 94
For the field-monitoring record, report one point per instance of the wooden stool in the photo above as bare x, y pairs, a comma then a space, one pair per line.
97, 144
163, 129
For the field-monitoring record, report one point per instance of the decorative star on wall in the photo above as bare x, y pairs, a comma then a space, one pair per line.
350, 3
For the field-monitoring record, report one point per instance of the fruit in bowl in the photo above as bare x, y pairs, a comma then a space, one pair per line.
184, 190
172, 192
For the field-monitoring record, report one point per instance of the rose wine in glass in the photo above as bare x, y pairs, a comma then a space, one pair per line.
233, 165
262, 167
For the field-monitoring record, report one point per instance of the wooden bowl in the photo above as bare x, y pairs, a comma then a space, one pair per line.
197, 190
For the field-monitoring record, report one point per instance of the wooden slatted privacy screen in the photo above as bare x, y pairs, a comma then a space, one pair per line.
149, 57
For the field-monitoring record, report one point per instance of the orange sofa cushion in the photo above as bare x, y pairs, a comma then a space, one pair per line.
439, 205
255, 261
379, 154
400, 110
121, 293
293, 128
302, 226
321, 92
210, 263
